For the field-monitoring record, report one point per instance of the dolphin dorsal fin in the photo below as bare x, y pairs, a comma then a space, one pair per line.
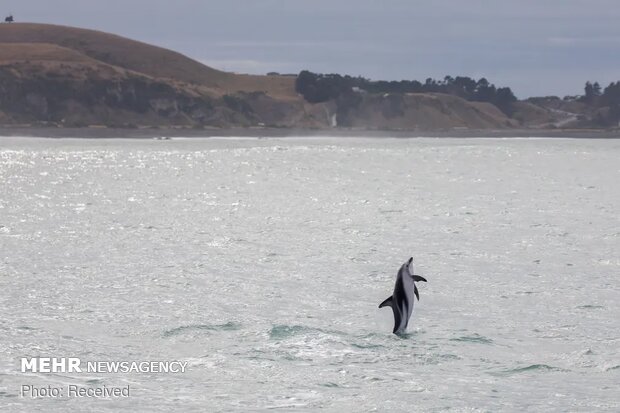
388, 302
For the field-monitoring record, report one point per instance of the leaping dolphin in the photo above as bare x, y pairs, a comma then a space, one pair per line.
402, 299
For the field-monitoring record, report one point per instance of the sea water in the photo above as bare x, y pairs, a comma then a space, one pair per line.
260, 264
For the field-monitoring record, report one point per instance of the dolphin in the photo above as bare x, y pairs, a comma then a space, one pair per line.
402, 299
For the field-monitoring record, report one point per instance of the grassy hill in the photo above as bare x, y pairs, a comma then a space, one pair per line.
140, 57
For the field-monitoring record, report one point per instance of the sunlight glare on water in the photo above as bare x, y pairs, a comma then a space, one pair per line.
262, 262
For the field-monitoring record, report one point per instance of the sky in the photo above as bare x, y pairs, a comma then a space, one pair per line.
536, 47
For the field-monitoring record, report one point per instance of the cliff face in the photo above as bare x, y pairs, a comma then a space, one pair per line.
75, 94
80, 95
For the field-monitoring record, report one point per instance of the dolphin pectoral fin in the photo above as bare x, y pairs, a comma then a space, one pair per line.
387, 302
415, 291
418, 278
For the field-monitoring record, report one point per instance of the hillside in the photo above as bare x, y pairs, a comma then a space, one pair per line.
427, 112
64, 76
143, 58
55, 75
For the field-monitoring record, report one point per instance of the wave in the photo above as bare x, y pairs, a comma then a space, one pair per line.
533, 368
590, 307
473, 338
367, 342
229, 326
283, 331
7, 394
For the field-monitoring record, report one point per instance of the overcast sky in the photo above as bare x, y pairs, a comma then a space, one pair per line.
537, 47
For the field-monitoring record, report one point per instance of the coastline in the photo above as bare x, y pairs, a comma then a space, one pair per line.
159, 133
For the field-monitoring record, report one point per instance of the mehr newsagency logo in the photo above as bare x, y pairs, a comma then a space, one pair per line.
75, 365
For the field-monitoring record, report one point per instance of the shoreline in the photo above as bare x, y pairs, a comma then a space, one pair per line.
161, 133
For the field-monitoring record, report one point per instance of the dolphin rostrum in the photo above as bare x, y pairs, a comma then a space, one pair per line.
402, 299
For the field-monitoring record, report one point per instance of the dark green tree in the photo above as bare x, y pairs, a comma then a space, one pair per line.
591, 91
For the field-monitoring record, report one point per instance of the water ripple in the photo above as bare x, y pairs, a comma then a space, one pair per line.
533, 368
229, 326
473, 338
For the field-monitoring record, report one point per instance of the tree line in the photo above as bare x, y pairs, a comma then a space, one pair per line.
597, 97
316, 88
594, 93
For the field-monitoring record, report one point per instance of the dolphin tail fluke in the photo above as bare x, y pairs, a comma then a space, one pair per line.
386, 303
418, 278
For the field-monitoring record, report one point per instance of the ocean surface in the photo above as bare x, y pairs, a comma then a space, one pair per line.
261, 263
